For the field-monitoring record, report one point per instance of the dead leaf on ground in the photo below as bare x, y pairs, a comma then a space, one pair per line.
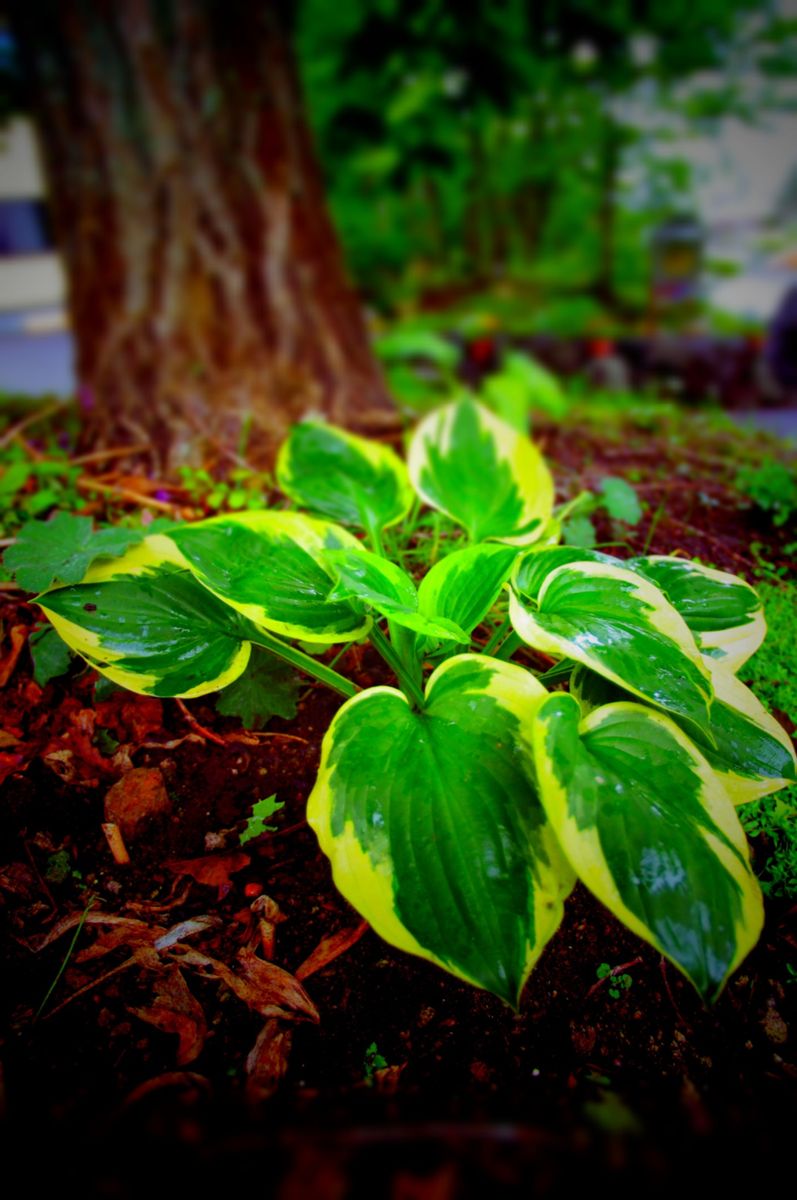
72, 754
137, 798
263, 987
267, 1061
189, 1081
214, 870
19, 880
176, 1010
63, 926
329, 948
18, 636
271, 984
130, 718
132, 934
10, 764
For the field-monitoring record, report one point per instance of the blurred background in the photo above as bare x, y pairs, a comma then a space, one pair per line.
609, 187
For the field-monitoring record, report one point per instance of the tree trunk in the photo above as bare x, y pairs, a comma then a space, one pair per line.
206, 287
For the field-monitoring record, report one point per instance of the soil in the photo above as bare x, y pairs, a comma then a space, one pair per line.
144, 1069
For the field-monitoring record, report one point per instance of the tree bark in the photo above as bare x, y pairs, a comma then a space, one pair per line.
207, 291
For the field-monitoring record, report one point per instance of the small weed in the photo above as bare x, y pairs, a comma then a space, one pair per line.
372, 1063
772, 487
617, 499
241, 489
774, 820
770, 672
257, 822
619, 983
60, 867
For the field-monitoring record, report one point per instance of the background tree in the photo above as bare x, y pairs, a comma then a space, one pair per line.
471, 143
206, 286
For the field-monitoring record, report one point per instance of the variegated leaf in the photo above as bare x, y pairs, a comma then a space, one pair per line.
270, 567
651, 832
618, 624
724, 613
488, 478
433, 825
463, 586
147, 624
384, 586
751, 753
351, 479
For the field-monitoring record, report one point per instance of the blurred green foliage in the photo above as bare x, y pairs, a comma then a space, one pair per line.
498, 147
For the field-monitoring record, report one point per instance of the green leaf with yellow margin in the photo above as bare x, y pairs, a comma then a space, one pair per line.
384, 586
464, 586
270, 567
148, 625
750, 751
482, 473
651, 832
433, 825
723, 611
615, 622
348, 478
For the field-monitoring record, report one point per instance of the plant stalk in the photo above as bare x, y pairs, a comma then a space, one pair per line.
410, 688
497, 636
303, 662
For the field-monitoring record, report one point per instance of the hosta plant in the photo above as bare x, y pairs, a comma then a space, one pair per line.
459, 807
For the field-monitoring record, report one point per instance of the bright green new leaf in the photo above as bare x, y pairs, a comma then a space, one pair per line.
433, 825
267, 688
651, 832
723, 612
384, 586
482, 473
464, 586
521, 387
402, 345
150, 626
351, 479
270, 567
508, 398
616, 623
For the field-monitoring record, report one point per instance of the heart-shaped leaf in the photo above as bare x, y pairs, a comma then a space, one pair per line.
149, 626
482, 473
351, 479
433, 825
617, 623
650, 830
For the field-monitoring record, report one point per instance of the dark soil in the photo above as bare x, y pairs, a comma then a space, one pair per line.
410, 1084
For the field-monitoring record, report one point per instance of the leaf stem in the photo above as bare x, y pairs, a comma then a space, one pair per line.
497, 636
408, 685
509, 646
303, 662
